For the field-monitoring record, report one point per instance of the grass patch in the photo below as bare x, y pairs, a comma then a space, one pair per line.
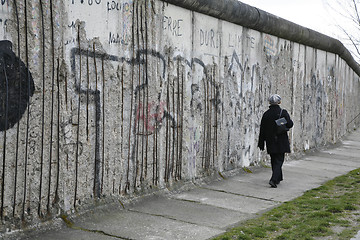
319, 212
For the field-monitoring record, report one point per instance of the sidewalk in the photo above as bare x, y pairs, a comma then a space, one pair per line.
208, 210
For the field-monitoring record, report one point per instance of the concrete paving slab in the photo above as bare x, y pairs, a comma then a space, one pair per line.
299, 173
260, 177
351, 138
190, 212
349, 152
127, 224
353, 144
298, 168
228, 201
337, 159
314, 163
354, 136
65, 233
350, 163
286, 191
297, 179
312, 170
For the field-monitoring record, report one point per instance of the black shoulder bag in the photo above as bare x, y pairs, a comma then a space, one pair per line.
281, 125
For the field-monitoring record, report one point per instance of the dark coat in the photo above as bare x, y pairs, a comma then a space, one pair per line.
274, 143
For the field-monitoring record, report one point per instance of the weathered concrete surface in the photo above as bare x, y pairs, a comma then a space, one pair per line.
254, 18
227, 200
209, 209
191, 212
103, 100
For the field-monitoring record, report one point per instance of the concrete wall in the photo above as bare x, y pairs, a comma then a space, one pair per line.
108, 99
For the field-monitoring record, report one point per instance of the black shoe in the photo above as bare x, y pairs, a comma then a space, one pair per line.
272, 184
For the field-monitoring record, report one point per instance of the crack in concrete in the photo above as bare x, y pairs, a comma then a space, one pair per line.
242, 195
71, 225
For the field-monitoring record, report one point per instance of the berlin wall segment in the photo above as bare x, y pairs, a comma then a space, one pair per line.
101, 100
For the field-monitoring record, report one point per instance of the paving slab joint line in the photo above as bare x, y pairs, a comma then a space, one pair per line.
169, 217
322, 162
198, 202
71, 225
242, 195
186, 200
341, 162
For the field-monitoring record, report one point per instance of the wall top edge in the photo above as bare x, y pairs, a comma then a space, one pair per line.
247, 16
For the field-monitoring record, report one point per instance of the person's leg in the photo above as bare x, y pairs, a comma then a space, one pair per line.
280, 163
277, 160
274, 168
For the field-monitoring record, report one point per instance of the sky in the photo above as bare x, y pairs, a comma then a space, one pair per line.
312, 14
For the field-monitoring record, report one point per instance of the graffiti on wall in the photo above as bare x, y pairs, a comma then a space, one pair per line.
172, 25
116, 33
149, 118
108, 124
236, 41
124, 37
16, 86
269, 45
209, 38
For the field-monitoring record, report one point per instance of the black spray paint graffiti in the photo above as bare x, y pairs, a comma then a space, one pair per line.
16, 87
209, 104
245, 91
235, 62
137, 60
151, 114
133, 61
316, 96
216, 100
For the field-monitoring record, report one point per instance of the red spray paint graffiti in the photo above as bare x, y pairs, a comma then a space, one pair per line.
150, 116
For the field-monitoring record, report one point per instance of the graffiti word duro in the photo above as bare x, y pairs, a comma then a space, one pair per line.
209, 38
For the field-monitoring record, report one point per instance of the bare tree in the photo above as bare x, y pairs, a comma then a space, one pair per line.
346, 18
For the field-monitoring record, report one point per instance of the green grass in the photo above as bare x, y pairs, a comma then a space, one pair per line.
331, 210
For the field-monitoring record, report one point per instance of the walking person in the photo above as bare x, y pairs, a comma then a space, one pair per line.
276, 144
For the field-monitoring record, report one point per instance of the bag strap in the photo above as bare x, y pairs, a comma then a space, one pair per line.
280, 113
